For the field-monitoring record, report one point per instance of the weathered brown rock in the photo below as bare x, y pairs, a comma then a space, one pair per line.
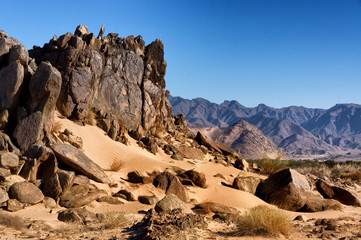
247, 184
40, 164
11, 79
171, 184
110, 200
26, 192
149, 200
198, 178
29, 130
317, 204
81, 30
136, 177
337, 193
78, 196
129, 196
3, 196
6, 144
9, 160
190, 152
14, 205
242, 164
212, 207
287, 189
69, 137
19, 53
77, 160
4, 172
171, 202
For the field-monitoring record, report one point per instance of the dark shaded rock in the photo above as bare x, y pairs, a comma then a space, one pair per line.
77, 160
44, 90
202, 139
26, 192
3, 196
52, 187
242, 164
286, 189
6, 144
136, 177
171, 184
149, 200
110, 200
171, 202
81, 30
64, 39
40, 164
11, 80
128, 195
337, 193
29, 130
198, 178
9, 160
14, 205
247, 184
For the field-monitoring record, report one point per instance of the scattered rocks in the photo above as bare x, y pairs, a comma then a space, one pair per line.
110, 200
78, 196
136, 177
171, 184
242, 164
126, 195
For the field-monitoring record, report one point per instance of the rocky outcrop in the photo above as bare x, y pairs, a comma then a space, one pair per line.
118, 78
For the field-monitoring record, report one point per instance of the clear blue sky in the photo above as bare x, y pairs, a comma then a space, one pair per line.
276, 52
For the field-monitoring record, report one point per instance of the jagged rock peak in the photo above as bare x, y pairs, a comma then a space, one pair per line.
117, 78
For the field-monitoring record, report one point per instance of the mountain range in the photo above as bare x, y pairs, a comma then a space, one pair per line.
299, 131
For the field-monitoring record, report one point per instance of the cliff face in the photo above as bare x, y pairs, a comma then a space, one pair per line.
118, 78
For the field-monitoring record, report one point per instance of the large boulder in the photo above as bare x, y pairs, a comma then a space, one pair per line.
77, 160
44, 89
337, 193
171, 184
287, 189
171, 202
26, 192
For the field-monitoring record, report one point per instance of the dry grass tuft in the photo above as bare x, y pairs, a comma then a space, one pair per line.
113, 220
14, 222
264, 221
116, 165
91, 118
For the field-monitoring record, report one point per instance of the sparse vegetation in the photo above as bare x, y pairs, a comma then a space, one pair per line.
14, 222
270, 166
330, 169
264, 221
115, 220
116, 165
